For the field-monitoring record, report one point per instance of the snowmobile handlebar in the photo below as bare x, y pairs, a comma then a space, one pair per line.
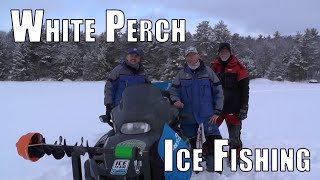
106, 119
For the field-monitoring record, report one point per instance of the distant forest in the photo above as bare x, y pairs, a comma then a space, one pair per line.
276, 57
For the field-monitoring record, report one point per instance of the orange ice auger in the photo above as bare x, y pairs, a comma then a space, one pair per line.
32, 146
24, 142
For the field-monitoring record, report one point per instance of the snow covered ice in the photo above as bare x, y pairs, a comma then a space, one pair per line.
281, 115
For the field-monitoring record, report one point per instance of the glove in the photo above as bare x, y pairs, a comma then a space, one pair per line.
108, 109
243, 113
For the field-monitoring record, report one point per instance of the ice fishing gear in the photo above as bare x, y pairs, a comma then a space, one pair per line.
128, 151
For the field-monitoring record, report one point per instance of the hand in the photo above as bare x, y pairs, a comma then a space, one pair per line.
243, 113
178, 104
213, 119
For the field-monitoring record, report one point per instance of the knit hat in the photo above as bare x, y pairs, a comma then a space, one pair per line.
224, 45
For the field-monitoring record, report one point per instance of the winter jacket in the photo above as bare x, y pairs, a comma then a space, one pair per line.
119, 78
200, 91
235, 82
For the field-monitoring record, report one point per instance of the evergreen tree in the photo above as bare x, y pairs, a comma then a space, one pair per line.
189, 41
263, 56
154, 57
114, 53
277, 35
173, 63
240, 48
20, 70
310, 51
38, 57
250, 67
67, 62
221, 33
95, 67
204, 41
276, 70
296, 65
3, 66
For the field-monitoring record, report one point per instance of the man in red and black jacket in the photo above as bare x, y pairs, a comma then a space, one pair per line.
235, 83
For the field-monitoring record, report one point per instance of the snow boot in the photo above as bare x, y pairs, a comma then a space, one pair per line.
237, 156
209, 163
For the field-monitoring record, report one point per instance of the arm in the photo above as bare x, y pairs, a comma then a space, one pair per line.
244, 92
218, 92
243, 82
109, 86
175, 89
148, 80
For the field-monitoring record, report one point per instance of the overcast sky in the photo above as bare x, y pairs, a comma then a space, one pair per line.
246, 17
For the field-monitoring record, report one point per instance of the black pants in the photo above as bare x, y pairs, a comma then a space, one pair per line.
208, 146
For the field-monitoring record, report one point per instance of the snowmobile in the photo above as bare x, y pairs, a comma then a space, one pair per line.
128, 150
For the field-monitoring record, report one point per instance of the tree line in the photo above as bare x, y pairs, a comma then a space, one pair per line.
276, 57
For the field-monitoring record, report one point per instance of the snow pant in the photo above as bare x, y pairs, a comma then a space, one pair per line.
208, 146
207, 149
234, 129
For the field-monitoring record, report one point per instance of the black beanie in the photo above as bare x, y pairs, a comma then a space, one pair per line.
224, 45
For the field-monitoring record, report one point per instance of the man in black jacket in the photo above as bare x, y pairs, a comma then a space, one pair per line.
235, 83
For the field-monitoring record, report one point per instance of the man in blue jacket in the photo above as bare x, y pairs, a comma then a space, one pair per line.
197, 91
130, 72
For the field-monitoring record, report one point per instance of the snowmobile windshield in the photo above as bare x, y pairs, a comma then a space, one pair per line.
135, 128
141, 98
142, 105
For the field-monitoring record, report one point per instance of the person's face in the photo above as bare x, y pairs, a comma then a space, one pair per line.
133, 58
192, 58
224, 54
